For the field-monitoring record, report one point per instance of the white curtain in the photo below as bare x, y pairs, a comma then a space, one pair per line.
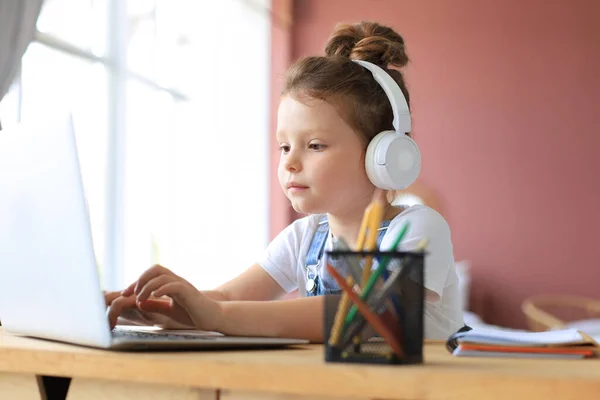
17, 29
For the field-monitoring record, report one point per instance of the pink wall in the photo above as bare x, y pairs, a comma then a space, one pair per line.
506, 106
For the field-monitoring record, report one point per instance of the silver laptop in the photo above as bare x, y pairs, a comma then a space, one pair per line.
49, 284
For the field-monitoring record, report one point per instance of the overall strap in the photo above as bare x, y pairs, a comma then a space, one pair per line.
317, 246
381, 232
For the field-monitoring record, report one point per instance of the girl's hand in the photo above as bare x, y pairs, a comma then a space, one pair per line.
160, 291
128, 313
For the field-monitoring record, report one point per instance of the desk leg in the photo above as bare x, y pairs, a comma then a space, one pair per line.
90, 389
20, 386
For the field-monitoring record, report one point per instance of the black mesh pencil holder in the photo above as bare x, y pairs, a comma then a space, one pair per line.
390, 331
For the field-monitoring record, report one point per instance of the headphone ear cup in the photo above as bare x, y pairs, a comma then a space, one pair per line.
373, 172
392, 161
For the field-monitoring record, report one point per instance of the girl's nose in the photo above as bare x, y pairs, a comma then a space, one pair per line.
292, 162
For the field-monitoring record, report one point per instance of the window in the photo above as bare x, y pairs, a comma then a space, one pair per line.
170, 102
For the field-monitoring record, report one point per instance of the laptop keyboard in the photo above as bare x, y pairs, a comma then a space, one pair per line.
137, 335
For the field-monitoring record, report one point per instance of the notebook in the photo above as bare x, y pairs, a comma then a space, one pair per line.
566, 343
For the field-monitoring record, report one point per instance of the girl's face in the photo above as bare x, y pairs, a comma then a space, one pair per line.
321, 169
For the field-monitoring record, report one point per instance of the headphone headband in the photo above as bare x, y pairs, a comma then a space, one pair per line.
394, 93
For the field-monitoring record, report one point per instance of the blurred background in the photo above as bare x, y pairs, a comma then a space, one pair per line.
175, 101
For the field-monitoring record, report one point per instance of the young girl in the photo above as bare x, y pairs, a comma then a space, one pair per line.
330, 109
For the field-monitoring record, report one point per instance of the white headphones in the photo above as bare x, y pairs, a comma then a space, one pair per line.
393, 160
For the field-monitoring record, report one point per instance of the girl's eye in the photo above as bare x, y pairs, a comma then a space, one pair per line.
284, 148
316, 146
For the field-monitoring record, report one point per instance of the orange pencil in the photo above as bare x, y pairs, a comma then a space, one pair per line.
373, 318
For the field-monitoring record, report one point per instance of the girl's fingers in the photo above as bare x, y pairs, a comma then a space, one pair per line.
186, 300
157, 306
117, 307
135, 316
177, 290
156, 281
175, 313
128, 291
149, 274
181, 292
109, 297
154, 284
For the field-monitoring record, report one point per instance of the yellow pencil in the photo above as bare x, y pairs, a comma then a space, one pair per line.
362, 233
340, 315
373, 217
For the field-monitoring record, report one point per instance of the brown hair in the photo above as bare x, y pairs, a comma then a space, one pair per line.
345, 84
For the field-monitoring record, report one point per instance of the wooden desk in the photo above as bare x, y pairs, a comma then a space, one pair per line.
298, 373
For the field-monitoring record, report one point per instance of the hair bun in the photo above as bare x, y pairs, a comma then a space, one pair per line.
368, 41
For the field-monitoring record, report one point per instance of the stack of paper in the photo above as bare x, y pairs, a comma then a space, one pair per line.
568, 343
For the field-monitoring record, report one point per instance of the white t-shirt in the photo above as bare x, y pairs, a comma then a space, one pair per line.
284, 259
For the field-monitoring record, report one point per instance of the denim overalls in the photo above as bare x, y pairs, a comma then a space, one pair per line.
317, 285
